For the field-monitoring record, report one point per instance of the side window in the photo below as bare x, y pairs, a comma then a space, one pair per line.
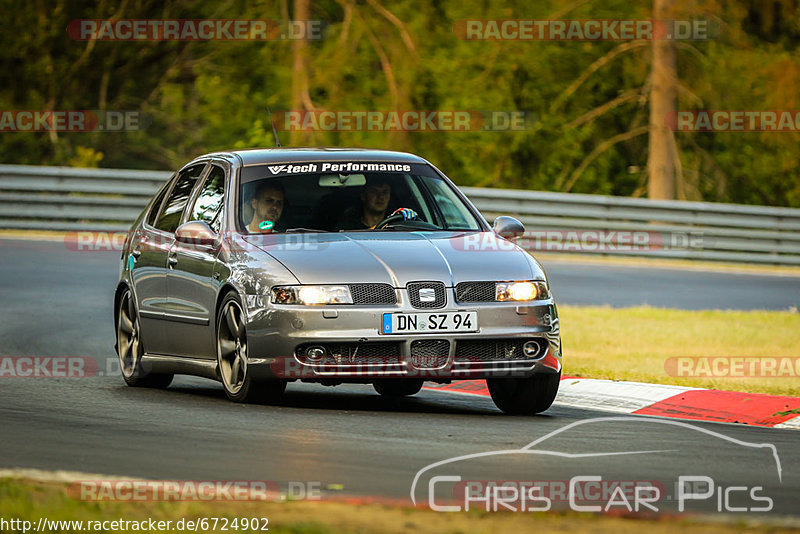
170, 217
456, 214
208, 205
156, 207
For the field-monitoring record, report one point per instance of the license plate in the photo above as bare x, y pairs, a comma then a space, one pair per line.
422, 323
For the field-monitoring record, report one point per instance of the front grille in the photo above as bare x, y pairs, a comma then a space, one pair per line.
492, 350
439, 296
371, 353
475, 292
373, 294
429, 353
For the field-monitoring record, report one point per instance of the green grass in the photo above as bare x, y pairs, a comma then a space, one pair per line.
634, 344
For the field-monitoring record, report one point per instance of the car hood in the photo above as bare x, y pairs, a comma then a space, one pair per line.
398, 257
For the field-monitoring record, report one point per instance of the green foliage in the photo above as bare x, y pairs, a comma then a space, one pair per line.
85, 157
206, 96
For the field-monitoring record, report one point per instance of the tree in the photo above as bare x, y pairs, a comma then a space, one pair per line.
662, 156
301, 100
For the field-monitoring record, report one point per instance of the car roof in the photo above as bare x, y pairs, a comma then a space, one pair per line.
259, 156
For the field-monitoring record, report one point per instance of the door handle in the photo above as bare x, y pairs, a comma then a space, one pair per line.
136, 252
172, 260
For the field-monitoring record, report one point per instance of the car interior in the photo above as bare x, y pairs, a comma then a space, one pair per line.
308, 204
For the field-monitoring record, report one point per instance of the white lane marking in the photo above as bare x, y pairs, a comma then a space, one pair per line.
608, 395
23, 236
792, 424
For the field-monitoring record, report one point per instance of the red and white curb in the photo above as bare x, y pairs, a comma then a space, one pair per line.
662, 400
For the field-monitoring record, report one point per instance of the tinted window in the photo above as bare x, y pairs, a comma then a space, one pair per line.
208, 205
156, 207
170, 217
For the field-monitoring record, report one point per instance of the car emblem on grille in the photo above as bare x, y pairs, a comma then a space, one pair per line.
427, 294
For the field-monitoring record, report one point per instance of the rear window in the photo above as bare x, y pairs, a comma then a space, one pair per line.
172, 212
156, 207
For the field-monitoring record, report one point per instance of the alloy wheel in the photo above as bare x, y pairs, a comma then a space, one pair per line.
129, 346
232, 347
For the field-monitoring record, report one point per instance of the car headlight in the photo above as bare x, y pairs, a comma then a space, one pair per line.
521, 291
311, 295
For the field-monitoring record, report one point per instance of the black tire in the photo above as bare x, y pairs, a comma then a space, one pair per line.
398, 387
524, 396
130, 350
232, 358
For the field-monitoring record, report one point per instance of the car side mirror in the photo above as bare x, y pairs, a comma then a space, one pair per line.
195, 233
508, 227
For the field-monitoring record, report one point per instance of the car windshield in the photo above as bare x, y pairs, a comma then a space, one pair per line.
333, 197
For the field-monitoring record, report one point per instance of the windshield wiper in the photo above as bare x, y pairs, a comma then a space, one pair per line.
301, 230
426, 227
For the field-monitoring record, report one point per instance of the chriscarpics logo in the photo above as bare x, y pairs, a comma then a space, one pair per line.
610, 465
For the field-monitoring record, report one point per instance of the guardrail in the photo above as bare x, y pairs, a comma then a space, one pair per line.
65, 198
673, 229
68, 198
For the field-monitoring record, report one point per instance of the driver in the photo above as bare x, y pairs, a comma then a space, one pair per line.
267, 206
374, 206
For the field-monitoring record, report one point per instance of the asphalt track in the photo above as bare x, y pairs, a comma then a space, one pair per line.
56, 302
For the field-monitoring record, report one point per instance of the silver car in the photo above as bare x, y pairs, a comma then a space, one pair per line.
260, 267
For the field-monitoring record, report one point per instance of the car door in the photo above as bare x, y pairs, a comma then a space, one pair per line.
191, 286
147, 260
151, 251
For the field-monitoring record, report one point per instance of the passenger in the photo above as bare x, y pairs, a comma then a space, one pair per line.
267, 206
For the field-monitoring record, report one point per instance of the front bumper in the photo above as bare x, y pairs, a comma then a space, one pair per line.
278, 336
